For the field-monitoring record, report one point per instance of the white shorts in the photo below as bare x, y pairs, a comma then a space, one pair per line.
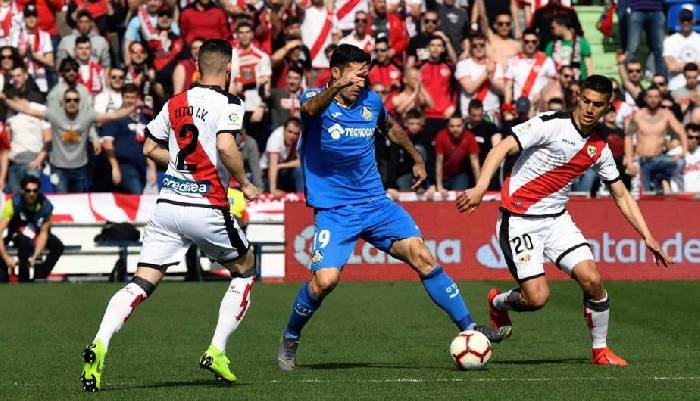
525, 241
173, 228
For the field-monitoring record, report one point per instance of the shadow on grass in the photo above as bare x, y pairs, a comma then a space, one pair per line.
170, 384
542, 361
363, 365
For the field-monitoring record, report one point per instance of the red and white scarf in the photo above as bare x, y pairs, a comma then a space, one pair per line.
35, 69
93, 82
6, 23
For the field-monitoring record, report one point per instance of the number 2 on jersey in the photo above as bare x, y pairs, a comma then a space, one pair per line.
187, 149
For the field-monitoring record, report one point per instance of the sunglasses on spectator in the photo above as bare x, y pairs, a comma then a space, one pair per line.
360, 20
659, 83
31, 190
567, 75
478, 45
380, 49
72, 100
138, 52
534, 42
502, 23
117, 77
430, 21
6, 56
696, 137
635, 71
69, 69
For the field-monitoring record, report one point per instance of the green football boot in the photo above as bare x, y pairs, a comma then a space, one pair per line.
215, 361
93, 363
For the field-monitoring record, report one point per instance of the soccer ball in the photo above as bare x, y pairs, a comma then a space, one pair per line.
470, 350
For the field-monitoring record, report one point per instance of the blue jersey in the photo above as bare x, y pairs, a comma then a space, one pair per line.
336, 151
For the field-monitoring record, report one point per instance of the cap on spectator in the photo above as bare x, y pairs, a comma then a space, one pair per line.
686, 15
522, 105
83, 13
30, 11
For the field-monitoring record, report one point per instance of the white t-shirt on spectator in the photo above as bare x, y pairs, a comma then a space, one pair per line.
685, 50
311, 29
42, 45
248, 67
691, 172
518, 70
27, 136
472, 69
107, 100
366, 44
275, 144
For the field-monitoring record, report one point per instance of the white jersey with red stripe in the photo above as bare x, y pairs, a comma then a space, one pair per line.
188, 125
554, 152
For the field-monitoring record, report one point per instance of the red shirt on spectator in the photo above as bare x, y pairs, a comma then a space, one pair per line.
323, 77
398, 38
97, 8
47, 10
455, 152
388, 75
210, 23
437, 80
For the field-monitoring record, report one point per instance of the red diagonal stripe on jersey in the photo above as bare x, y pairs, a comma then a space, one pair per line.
205, 170
346, 8
552, 180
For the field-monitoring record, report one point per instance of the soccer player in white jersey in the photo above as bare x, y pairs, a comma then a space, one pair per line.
555, 148
194, 136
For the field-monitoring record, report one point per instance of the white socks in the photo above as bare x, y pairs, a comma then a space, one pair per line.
233, 308
597, 315
118, 311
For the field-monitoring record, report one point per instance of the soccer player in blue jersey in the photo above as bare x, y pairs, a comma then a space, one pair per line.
343, 186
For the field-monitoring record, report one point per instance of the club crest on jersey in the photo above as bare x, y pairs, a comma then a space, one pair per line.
591, 151
317, 257
366, 113
233, 119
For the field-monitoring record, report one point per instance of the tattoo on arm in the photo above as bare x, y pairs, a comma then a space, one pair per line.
397, 135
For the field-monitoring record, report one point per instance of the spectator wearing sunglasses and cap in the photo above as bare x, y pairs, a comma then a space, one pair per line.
35, 47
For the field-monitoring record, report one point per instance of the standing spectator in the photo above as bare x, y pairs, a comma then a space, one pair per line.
110, 98
359, 36
455, 21
291, 52
35, 46
496, 8
615, 138
555, 88
84, 27
631, 74
10, 21
280, 162
98, 9
567, 48
543, 17
689, 94
691, 171
71, 126
69, 70
90, 73
501, 46
250, 155
27, 218
486, 133
681, 48
19, 85
47, 10
399, 172
480, 78
122, 141
418, 45
347, 12
143, 27
30, 137
186, 74
383, 71
166, 52
388, 25
140, 72
414, 95
205, 20
283, 103
649, 125
437, 76
647, 16
453, 147
317, 29
529, 72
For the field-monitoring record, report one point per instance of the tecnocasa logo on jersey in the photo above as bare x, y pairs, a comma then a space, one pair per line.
336, 131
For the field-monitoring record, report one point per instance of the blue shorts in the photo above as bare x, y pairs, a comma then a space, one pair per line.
379, 221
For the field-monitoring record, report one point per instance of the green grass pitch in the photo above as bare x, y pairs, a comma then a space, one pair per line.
384, 341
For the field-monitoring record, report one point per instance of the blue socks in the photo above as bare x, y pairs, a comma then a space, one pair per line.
305, 305
444, 292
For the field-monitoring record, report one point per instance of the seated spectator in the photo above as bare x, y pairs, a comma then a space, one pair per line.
528, 73
69, 70
27, 218
84, 27
399, 171
204, 19
414, 95
501, 47
279, 163
110, 98
165, 52
680, 49
30, 139
283, 103
689, 94
35, 47
71, 126
383, 71
456, 150
480, 78
691, 170
291, 52
90, 73
250, 155
122, 141
359, 36
487, 134
567, 48
186, 74
143, 27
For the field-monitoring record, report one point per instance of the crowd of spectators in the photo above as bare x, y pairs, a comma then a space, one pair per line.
81, 78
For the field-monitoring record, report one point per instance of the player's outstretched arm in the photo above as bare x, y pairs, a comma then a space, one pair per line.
316, 105
397, 135
231, 159
630, 210
470, 199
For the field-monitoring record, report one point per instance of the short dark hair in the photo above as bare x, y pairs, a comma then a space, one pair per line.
296, 69
691, 66
692, 127
244, 23
475, 104
381, 39
530, 31
130, 88
292, 20
68, 62
598, 83
83, 13
30, 179
477, 36
413, 113
214, 55
82, 39
71, 90
345, 54
292, 120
